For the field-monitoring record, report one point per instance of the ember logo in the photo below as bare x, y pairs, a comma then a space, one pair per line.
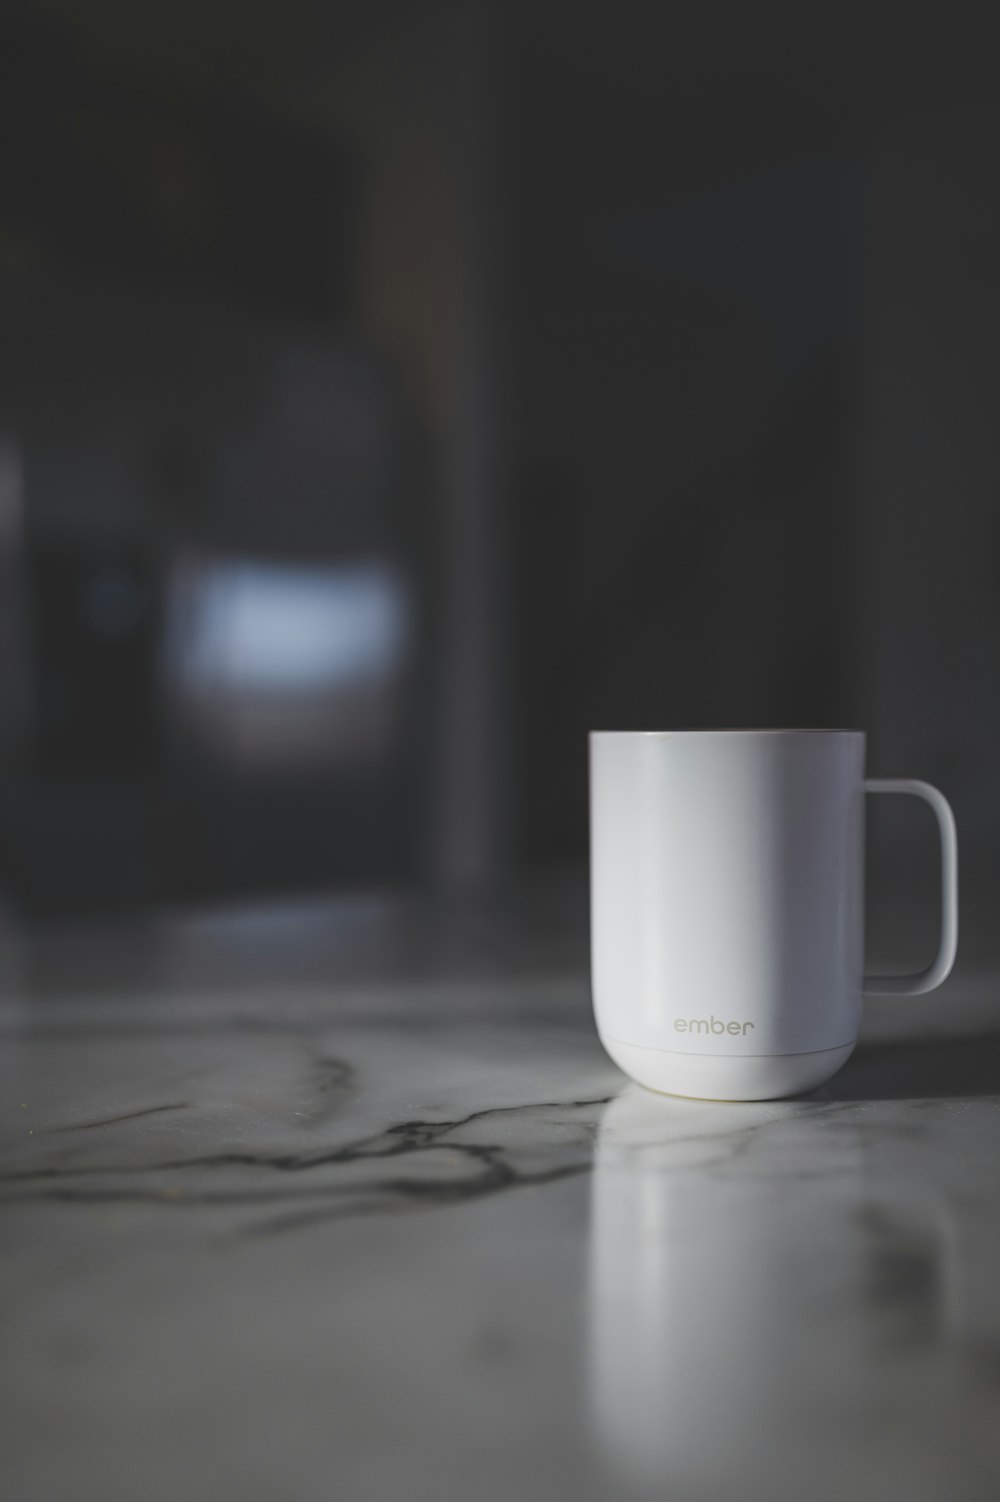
711, 1025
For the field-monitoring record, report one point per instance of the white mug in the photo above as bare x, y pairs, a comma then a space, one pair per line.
727, 906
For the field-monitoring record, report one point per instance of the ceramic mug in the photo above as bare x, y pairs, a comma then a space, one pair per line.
727, 906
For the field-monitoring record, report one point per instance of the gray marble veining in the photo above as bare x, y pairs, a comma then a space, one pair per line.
288, 1215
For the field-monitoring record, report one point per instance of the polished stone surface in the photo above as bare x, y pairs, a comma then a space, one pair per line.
346, 1201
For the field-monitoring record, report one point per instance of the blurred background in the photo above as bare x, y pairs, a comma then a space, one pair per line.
392, 392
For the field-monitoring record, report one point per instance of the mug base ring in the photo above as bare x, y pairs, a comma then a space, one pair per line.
727, 1076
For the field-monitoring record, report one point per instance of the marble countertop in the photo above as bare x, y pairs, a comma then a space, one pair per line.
345, 1200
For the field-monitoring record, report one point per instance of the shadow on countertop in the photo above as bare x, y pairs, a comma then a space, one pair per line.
919, 1069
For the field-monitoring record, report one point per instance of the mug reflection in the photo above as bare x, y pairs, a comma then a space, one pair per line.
754, 1322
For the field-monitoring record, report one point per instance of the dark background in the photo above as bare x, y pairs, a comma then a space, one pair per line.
392, 392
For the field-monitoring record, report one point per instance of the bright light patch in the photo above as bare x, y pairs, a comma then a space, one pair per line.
274, 629
274, 668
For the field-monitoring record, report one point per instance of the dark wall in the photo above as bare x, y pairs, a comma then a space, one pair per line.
653, 355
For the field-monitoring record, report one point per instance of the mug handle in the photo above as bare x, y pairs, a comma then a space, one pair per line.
926, 980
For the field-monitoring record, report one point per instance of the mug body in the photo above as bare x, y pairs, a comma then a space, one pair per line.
727, 903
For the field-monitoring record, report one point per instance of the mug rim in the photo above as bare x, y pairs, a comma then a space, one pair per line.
667, 734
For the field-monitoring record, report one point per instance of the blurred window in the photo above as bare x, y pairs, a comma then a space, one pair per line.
287, 666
